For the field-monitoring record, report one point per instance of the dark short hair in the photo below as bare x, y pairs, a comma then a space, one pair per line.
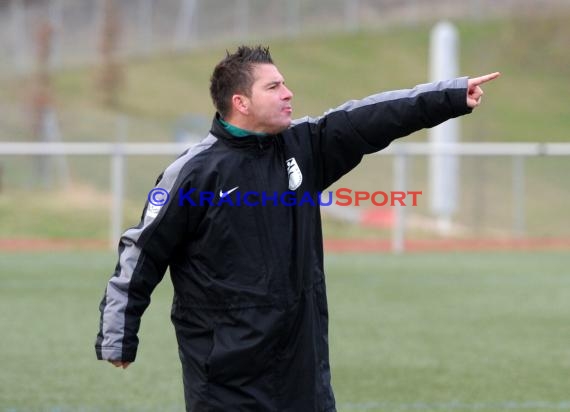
234, 74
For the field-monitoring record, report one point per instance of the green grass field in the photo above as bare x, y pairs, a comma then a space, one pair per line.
429, 332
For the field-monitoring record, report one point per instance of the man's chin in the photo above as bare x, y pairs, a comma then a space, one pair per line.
281, 127
284, 127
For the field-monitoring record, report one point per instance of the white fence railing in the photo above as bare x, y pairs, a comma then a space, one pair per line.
400, 151
133, 149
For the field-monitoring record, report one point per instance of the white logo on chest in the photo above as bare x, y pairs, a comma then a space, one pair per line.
224, 194
294, 173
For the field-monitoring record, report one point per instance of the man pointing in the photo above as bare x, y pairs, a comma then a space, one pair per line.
250, 307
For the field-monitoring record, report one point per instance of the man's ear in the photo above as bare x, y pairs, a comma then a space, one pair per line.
240, 104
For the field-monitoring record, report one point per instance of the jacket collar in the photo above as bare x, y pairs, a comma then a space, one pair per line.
253, 141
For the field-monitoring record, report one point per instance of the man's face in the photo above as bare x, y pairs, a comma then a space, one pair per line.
269, 108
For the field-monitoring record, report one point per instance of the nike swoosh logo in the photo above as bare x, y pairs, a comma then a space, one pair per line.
224, 194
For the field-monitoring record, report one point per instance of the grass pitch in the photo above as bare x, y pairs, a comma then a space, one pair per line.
453, 332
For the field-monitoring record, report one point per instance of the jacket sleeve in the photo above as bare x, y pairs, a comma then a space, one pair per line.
342, 136
144, 253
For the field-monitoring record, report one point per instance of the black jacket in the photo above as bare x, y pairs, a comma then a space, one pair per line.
250, 308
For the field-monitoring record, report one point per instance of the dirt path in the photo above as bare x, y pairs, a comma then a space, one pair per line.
447, 245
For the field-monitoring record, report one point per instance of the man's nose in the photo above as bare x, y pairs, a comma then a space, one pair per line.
287, 94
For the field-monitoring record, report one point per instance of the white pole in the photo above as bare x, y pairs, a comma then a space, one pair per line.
52, 133
444, 169
118, 181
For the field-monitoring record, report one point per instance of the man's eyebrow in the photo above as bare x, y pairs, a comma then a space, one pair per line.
275, 82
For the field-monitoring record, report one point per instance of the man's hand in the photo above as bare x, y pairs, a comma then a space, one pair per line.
120, 364
474, 92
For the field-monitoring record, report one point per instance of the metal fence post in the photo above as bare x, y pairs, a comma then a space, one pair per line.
400, 183
117, 188
519, 214
118, 181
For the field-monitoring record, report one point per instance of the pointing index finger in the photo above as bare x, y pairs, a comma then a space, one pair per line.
483, 79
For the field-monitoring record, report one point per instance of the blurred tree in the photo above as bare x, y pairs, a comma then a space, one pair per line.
110, 76
44, 118
42, 98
